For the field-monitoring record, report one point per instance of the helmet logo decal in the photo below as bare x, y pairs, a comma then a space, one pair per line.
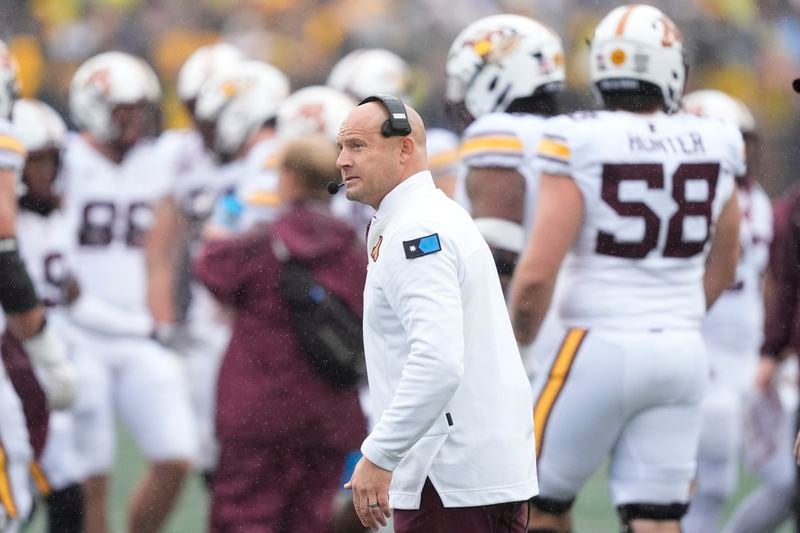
99, 79
618, 56
671, 32
313, 113
495, 44
229, 89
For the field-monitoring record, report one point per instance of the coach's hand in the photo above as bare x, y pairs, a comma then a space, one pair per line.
370, 486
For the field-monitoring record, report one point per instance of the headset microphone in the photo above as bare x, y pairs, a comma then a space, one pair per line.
334, 187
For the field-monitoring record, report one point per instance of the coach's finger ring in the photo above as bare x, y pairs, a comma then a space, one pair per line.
374, 505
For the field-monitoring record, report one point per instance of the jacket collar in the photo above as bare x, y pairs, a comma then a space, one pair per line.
408, 188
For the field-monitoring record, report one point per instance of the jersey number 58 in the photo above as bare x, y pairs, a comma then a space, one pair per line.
653, 177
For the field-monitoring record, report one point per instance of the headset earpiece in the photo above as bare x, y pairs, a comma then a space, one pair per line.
397, 125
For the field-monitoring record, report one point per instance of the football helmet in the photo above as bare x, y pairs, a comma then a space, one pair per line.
239, 101
635, 44
501, 58
202, 64
105, 81
721, 106
9, 81
368, 71
313, 110
38, 125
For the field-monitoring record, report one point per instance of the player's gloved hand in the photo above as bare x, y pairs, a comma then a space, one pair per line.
175, 337
53, 368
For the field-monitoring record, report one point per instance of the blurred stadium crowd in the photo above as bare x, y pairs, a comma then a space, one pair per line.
746, 48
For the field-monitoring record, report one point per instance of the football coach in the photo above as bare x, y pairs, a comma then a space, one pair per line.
452, 448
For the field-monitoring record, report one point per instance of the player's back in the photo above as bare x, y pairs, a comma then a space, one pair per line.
653, 187
505, 141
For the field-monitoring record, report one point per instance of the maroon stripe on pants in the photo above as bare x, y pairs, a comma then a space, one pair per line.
433, 517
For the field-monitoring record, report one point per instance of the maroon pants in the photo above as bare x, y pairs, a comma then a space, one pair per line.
274, 488
432, 517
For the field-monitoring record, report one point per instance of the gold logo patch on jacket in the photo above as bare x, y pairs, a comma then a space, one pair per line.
376, 249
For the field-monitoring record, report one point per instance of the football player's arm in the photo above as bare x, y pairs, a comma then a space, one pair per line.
162, 251
95, 314
24, 314
556, 224
724, 254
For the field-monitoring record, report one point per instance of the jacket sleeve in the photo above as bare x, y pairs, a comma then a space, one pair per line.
783, 279
424, 293
223, 267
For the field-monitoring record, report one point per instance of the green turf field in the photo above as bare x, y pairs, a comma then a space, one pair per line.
593, 512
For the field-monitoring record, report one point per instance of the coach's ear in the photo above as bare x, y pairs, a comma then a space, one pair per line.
408, 148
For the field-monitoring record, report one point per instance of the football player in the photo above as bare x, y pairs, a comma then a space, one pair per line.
506, 71
732, 331
112, 179
23, 318
236, 112
645, 203
187, 318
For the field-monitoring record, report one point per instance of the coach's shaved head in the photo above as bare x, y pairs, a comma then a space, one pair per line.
371, 164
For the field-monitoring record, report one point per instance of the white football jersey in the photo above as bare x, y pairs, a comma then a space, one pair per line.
256, 184
735, 323
196, 180
44, 243
442, 146
12, 151
653, 187
109, 209
503, 140
12, 157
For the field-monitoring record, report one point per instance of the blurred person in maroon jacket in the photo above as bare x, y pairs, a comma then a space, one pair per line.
782, 324
283, 430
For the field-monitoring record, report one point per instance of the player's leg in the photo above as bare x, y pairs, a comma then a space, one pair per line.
153, 399
16, 499
93, 417
770, 457
65, 509
62, 475
577, 417
654, 459
210, 339
717, 460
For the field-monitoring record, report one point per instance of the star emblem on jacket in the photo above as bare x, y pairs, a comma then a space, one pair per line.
422, 246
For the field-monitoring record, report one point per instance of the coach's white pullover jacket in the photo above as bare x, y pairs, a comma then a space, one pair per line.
449, 393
